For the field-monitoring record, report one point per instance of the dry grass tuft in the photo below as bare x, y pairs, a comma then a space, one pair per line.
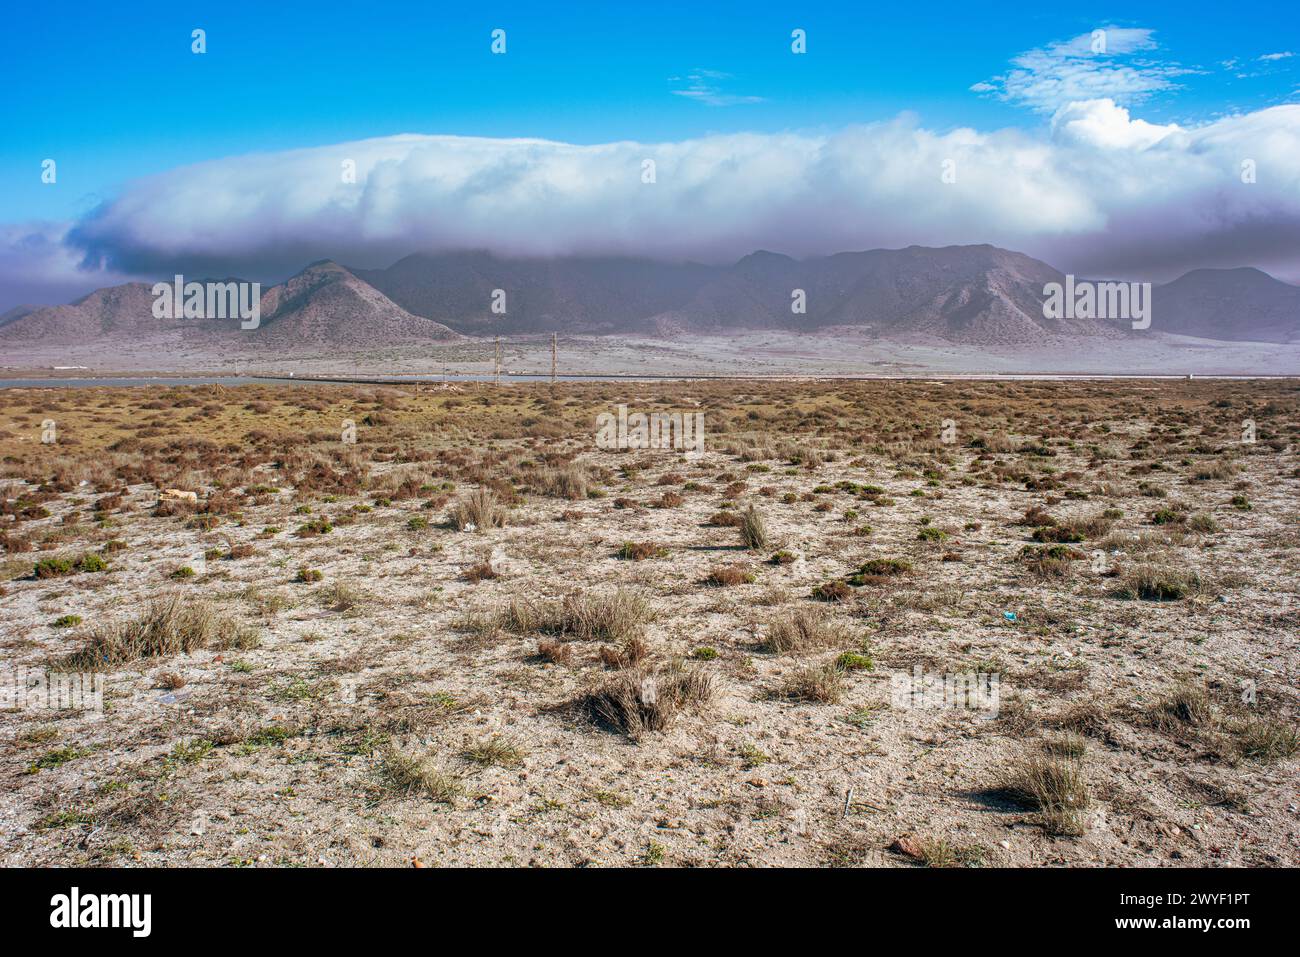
752, 530
804, 629
617, 616
169, 626
477, 511
570, 481
1056, 788
823, 683
407, 775
1157, 581
639, 701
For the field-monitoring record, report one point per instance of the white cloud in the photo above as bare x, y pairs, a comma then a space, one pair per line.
1102, 123
1085, 68
704, 86
1097, 190
1277, 56
37, 266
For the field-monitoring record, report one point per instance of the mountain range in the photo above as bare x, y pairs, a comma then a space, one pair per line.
975, 295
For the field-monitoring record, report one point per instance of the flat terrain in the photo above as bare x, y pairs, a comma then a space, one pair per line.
474, 637
770, 353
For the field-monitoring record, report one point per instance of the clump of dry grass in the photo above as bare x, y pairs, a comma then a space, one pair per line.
1159, 581
1186, 706
616, 616
804, 629
502, 752
639, 701
477, 511
556, 652
407, 775
1056, 788
627, 654
570, 481
724, 576
640, 551
169, 626
823, 683
752, 530
1267, 739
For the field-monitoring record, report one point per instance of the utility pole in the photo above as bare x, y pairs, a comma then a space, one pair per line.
553, 351
498, 361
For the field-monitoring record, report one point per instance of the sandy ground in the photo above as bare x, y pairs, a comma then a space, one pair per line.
1179, 715
758, 353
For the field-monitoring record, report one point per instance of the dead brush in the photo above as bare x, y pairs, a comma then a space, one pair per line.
1159, 581
1187, 706
406, 775
570, 481
1055, 787
556, 652
1266, 740
724, 576
169, 626
498, 751
752, 530
626, 654
615, 616
822, 683
477, 511
804, 629
639, 701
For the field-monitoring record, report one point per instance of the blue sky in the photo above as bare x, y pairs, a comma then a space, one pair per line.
113, 92
1127, 160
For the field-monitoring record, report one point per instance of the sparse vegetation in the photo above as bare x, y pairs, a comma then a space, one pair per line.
169, 626
637, 702
1109, 548
1055, 788
478, 511
803, 630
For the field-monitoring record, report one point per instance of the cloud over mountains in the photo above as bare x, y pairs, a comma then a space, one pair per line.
1092, 189
1097, 191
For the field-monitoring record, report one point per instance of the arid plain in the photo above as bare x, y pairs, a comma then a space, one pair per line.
345, 625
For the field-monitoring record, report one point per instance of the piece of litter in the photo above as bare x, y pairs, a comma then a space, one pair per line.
1009, 615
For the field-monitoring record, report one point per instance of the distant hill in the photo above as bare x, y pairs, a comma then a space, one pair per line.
324, 304
1229, 304
971, 295
542, 295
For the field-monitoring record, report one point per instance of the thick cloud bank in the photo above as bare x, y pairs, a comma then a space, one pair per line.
1096, 191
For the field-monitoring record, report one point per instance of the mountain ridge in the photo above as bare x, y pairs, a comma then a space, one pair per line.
976, 295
